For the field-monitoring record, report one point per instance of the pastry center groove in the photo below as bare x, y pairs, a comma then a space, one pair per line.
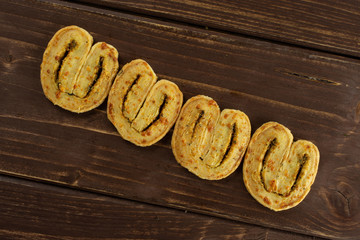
269, 149
160, 113
61, 60
99, 69
302, 161
230, 144
201, 114
125, 102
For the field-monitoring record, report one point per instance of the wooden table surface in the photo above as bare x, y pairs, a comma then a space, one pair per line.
71, 176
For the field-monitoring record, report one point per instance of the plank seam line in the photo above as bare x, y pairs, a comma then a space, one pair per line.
91, 8
114, 133
31, 181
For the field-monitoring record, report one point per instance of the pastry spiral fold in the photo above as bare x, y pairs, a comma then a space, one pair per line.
208, 143
74, 74
277, 172
141, 109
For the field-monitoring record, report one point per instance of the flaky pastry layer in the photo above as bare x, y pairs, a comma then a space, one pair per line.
74, 74
277, 172
208, 143
142, 109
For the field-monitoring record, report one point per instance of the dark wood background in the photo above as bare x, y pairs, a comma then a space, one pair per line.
70, 176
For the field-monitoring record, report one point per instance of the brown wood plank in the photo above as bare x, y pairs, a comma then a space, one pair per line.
322, 24
315, 94
32, 210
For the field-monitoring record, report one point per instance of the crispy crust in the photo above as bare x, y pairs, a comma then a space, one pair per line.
208, 143
277, 172
74, 75
141, 109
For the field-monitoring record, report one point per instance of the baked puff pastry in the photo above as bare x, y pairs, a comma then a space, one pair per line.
277, 172
74, 74
208, 143
142, 109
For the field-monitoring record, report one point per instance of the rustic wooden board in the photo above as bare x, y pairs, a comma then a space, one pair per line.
316, 95
322, 24
57, 213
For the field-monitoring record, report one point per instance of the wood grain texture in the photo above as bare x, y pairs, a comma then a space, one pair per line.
32, 210
316, 95
323, 24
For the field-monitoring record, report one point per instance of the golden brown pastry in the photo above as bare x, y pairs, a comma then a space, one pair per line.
277, 172
74, 75
141, 109
208, 143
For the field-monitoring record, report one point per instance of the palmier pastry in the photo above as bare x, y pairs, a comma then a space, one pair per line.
74, 74
277, 172
141, 109
208, 143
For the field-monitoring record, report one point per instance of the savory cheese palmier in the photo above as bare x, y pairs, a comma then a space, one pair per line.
74, 74
141, 109
277, 172
208, 143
